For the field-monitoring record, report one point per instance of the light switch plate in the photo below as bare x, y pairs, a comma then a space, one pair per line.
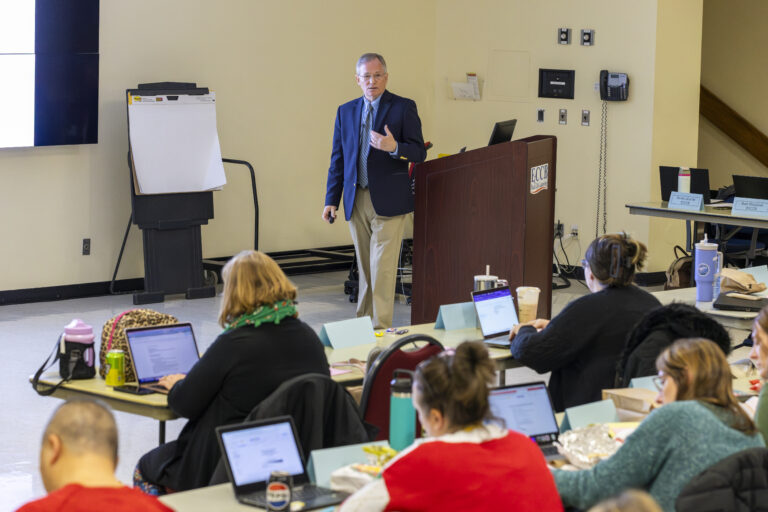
587, 37
585, 118
540, 115
563, 116
564, 36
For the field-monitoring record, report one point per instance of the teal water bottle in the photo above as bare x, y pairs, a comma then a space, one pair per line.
402, 415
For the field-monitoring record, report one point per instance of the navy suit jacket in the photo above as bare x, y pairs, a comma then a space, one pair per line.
388, 179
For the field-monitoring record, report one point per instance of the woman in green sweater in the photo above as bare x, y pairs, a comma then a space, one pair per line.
699, 424
759, 355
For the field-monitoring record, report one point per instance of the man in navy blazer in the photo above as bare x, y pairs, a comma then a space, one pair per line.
374, 139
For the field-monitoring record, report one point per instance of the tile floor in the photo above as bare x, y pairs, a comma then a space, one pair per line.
28, 333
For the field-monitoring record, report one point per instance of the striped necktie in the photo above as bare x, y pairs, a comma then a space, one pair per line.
365, 146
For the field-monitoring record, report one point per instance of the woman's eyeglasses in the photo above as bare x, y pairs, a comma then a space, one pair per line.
658, 382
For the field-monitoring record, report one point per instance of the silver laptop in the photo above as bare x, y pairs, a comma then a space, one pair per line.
159, 351
527, 408
253, 450
496, 315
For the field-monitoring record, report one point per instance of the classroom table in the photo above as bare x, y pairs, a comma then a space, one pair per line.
155, 405
732, 320
220, 498
711, 215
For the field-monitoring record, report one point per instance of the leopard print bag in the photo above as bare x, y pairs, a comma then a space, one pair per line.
113, 335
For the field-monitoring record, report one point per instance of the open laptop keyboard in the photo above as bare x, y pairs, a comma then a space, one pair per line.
549, 449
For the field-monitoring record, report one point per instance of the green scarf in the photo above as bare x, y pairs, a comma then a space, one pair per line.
264, 313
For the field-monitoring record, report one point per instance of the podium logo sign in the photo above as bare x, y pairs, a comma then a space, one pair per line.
539, 178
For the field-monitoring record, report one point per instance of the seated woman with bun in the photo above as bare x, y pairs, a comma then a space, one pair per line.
581, 345
263, 344
699, 424
468, 462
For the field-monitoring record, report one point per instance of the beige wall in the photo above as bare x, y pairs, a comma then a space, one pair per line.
675, 112
626, 40
733, 67
279, 68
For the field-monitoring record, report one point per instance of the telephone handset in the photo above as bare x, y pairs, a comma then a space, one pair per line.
614, 86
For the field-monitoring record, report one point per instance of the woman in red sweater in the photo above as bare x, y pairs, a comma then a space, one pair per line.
468, 461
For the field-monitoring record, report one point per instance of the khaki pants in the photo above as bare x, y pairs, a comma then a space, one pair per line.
377, 242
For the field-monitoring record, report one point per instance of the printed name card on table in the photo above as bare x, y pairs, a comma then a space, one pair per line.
580, 416
750, 207
348, 333
688, 202
456, 316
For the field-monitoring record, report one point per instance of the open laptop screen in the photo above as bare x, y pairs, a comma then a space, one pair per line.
495, 310
254, 452
162, 350
526, 408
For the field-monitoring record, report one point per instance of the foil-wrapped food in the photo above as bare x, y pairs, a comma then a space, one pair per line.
585, 447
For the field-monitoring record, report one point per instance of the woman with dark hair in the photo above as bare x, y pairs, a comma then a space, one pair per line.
699, 424
469, 462
263, 345
580, 346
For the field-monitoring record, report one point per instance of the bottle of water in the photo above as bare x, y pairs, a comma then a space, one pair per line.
402, 415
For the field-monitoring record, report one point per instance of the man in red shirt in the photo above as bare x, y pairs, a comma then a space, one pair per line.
77, 462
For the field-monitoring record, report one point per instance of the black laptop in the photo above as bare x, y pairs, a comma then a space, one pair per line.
725, 302
699, 182
254, 449
527, 408
753, 187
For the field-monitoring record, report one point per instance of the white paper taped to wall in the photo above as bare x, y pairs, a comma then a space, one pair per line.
175, 144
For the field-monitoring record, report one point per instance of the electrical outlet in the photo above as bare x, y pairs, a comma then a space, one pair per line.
559, 229
563, 116
564, 36
86, 246
585, 118
574, 230
587, 37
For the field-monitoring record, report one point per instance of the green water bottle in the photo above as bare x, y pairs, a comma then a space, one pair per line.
402, 415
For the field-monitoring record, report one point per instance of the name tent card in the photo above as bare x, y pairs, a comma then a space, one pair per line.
750, 207
643, 383
688, 202
325, 461
580, 416
348, 333
456, 316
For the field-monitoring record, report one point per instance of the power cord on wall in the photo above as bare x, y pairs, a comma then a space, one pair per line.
602, 172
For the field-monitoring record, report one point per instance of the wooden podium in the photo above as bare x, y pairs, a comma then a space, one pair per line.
490, 206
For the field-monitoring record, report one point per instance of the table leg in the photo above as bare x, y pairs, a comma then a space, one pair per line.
162, 431
688, 244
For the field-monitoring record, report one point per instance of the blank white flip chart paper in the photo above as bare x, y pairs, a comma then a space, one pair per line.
175, 144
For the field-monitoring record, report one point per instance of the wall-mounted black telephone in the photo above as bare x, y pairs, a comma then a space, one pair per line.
614, 86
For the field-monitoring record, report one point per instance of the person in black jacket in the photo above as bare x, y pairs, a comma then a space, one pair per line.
659, 329
580, 346
263, 345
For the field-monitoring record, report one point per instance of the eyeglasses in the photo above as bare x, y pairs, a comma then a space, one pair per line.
376, 77
658, 382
